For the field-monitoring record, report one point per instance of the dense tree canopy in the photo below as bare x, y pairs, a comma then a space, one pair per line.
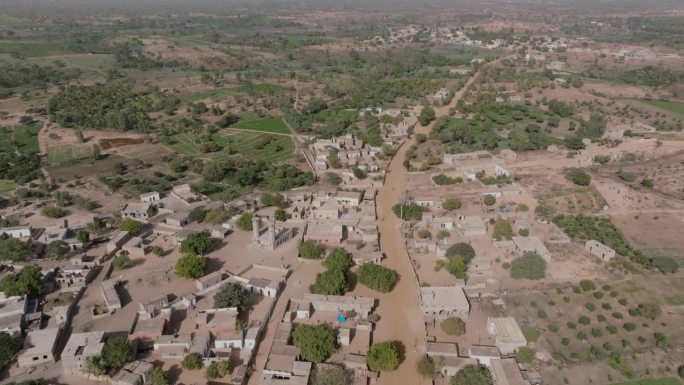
377, 277
383, 357
26, 282
231, 295
311, 249
191, 266
8, 348
315, 343
529, 266
12, 249
472, 375
197, 243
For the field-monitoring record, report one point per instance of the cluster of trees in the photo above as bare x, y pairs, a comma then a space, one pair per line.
24, 74
444, 180
26, 282
594, 128
191, 266
197, 242
247, 173
377, 277
333, 281
649, 76
8, 348
109, 105
20, 168
131, 54
427, 115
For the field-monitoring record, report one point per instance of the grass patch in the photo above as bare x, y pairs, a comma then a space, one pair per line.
65, 154
677, 108
5, 187
273, 125
22, 139
34, 49
654, 381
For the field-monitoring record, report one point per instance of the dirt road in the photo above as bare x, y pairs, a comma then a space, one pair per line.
401, 316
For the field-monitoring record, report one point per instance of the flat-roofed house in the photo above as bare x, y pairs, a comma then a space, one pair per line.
78, 349
506, 372
17, 232
531, 245
39, 347
444, 302
140, 211
150, 197
507, 334
600, 250
483, 354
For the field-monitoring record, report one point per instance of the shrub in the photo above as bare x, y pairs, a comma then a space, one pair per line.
426, 367
315, 343
566, 299
612, 329
650, 310
524, 355
578, 176
130, 225
590, 306
530, 332
158, 251
596, 332
665, 265
53, 212
606, 306
571, 325
587, 285
377, 277
453, 326
584, 320
581, 336
554, 328
541, 313
565, 341
529, 266
597, 294
617, 315
629, 326
489, 200
122, 261
409, 211
601, 318
451, 204
244, 222
383, 357
502, 230
218, 370
192, 361
472, 375
623, 301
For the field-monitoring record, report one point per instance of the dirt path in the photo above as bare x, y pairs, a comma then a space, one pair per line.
401, 317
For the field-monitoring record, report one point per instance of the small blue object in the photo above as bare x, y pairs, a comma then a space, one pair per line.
341, 318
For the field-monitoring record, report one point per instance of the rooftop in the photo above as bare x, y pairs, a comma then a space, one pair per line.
507, 372
507, 329
443, 297
84, 344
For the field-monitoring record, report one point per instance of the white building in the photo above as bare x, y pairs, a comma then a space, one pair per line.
150, 197
444, 302
507, 334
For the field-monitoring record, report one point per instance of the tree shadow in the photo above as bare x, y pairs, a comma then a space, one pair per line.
401, 350
174, 373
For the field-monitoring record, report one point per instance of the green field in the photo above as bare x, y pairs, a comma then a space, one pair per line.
34, 49
665, 105
23, 139
654, 381
238, 143
249, 89
64, 154
274, 125
5, 187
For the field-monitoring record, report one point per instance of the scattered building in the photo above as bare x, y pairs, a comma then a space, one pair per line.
506, 372
39, 347
270, 237
507, 334
444, 302
531, 244
599, 249
80, 347
150, 197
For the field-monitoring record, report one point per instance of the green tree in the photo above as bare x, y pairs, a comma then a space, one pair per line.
451, 204
130, 225
280, 214
383, 356
427, 115
197, 243
329, 282
117, 352
83, 236
57, 249
529, 266
158, 377
244, 222
453, 326
461, 249
8, 348
198, 214
489, 200
377, 277
192, 361
409, 211
472, 375
338, 259
14, 250
191, 266
311, 249
122, 261
315, 343
26, 282
268, 199
574, 143
427, 367
231, 295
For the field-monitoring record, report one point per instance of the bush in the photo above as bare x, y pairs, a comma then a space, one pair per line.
601, 318
590, 306
630, 327
453, 326
426, 367
529, 266
122, 261
617, 315
26, 282
623, 301
409, 211
595, 332
377, 277
665, 265
571, 325
116, 353
338, 259
445, 180
192, 361
597, 294
524, 355
650, 310
244, 222
158, 377
332, 375
581, 336
311, 249
315, 343
53, 212
218, 370
489, 200
530, 332
191, 266
565, 341
383, 357
554, 328
451, 204
541, 313
584, 320
578, 176
502, 230
8, 348
587, 285
197, 242
130, 225
472, 375
612, 329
